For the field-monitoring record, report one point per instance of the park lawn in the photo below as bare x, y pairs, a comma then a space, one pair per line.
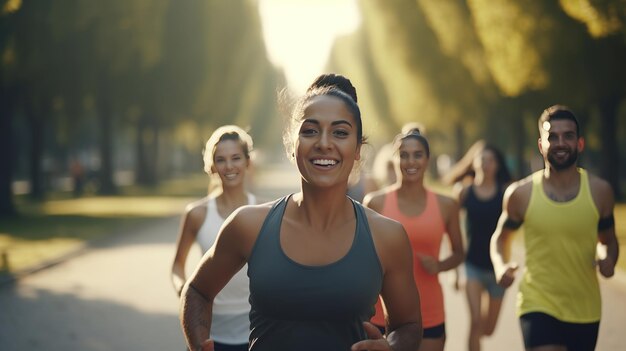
45, 231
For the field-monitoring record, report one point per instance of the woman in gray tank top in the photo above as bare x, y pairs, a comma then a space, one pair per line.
317, 260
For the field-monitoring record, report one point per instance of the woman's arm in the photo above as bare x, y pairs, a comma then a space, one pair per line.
450, 214
453, 229
189, 226
399, 293
218, 265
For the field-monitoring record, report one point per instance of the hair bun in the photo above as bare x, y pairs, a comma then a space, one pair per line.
334, 80
413, 128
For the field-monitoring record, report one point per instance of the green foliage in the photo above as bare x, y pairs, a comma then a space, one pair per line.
124, 75
471, 69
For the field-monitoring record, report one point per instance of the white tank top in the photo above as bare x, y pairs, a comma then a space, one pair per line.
230, 323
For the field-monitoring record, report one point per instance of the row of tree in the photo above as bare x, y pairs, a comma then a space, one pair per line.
104, 76
471, 69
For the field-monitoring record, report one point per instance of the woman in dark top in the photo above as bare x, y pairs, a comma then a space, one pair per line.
316, 259
486, 177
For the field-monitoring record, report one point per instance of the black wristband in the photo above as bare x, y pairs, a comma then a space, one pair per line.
511, 224
606, 223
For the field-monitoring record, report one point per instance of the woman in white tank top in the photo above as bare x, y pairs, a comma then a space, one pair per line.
227, 156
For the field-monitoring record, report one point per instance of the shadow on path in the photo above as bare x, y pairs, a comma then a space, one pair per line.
41, 319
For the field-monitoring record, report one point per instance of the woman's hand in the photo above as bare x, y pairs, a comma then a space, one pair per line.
506, 278
207, 345
430, 264
376, 341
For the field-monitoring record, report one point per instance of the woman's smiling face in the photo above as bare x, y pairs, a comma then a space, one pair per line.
326, 146
230, 162
412, 159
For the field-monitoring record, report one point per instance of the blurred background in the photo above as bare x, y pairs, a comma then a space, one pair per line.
105, 106
126, 92
104, 98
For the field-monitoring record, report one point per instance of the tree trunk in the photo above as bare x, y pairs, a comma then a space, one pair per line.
105, 121
141, 168
34, 111
154, 151
609, 149
519, 136
147, 151
460, 141
7, 208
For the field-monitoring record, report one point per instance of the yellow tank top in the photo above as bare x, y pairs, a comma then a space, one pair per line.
560, 237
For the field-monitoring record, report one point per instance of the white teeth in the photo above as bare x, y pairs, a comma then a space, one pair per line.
325, 162
411, 170
230, 176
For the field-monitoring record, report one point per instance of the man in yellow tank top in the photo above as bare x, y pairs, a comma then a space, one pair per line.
565, 212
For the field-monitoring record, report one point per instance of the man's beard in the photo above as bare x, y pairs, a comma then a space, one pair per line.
565, 164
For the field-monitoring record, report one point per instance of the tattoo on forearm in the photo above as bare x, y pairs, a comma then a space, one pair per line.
196, 317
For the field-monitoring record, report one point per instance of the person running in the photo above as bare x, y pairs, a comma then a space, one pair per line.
565, 212
227, 156
317, 260
481, 204
426, 217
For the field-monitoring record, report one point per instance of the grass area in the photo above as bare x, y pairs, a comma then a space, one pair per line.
60, 225
189, 186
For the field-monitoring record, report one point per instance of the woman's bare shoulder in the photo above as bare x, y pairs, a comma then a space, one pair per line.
382, 226
251, 214
376, 199
241, 229
197, 205
195, 212
446, 200
389, 236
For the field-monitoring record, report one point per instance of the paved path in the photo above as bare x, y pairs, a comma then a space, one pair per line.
508, 336
117, 296
113, 297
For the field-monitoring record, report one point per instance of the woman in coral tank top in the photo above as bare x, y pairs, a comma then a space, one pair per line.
426, 217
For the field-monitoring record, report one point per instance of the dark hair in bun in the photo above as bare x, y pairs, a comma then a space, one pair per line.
329, 84
334, 80
412, 132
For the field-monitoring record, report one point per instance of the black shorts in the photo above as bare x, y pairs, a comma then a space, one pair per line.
435, 332
227, 347
540, 329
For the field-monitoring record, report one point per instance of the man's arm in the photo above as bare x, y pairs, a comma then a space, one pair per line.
605, 202
511, 219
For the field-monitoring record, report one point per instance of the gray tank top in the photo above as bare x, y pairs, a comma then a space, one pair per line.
299, 307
